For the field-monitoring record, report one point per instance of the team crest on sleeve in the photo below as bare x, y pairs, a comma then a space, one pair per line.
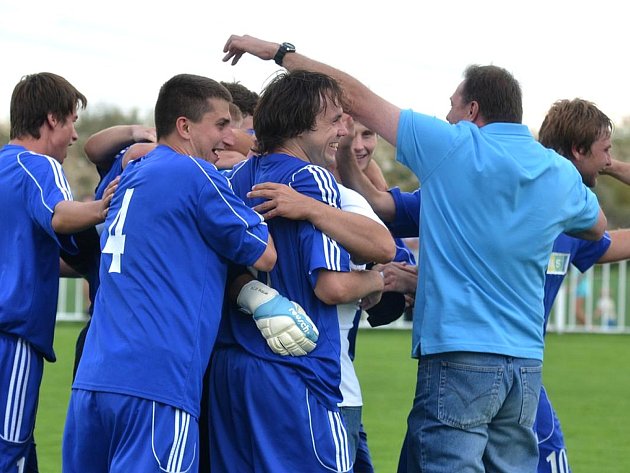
558, 263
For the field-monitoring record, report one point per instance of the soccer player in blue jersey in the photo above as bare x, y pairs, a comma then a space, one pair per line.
494, 201
271, 413
38, 213
174, 226
582, 133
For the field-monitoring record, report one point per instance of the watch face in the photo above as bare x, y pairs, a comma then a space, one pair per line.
289, 47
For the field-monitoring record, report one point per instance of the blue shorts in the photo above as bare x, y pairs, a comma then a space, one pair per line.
263, 418
21, 370
551, 447
115, 433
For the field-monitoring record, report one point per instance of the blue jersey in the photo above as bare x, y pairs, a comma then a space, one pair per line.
109, 173
302, 251
31, 185
172, 227
496, 179
406, 223
569, 250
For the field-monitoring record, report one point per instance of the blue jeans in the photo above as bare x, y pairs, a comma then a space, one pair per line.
473, 412
352, 420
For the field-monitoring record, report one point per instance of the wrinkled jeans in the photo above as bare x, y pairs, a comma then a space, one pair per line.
473, 412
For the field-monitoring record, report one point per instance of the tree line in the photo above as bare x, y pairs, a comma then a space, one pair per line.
614, 197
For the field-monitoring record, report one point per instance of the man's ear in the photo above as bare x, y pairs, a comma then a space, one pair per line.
577, 154
473, 111
183, 127
51, 120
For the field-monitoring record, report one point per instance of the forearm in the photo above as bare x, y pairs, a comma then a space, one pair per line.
340, 288
72, 216
351, 176
361, 101
619, 248
620, 170
366, 240
103, 145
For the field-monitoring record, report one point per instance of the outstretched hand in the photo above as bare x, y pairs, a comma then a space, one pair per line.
237, 45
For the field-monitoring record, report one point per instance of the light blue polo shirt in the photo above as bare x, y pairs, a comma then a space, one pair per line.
493, 202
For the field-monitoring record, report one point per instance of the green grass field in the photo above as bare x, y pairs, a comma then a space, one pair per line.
587, 378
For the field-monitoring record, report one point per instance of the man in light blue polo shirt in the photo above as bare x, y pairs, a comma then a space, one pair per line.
494, 201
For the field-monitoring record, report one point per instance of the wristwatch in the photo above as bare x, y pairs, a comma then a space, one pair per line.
282, 51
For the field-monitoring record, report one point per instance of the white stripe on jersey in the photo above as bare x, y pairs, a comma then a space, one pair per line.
60, 178
56, 167
262, 220
16, 397
329, 195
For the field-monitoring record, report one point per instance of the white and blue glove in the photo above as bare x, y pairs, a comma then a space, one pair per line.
284, 324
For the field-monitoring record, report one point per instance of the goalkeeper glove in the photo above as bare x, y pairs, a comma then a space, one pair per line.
284, 324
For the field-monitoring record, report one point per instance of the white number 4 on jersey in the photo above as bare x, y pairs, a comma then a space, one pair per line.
115, 244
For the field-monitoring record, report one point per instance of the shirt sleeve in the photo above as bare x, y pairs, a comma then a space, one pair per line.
325, 253
406, 223
49, 186
233, 230
423, 142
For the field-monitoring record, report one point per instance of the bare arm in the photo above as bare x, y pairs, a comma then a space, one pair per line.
376, 176
71, 216
620, 170
370, 109
267, 260
365, 239
351, 176
335, 287
619, 248
102, 146
596, 231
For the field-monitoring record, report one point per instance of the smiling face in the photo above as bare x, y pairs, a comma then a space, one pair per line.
320, 144
363, 144
213, 132
594, 160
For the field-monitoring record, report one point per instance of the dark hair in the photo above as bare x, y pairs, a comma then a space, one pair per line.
185, 95
242, 97
570, 123
290, 104
496, 91
38, 95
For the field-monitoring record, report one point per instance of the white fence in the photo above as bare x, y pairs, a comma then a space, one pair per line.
601, 313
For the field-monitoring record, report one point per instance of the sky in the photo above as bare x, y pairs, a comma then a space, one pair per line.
412, 53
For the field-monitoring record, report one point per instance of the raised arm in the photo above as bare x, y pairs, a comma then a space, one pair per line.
103, 146
620, 170
364, 105
351, 176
